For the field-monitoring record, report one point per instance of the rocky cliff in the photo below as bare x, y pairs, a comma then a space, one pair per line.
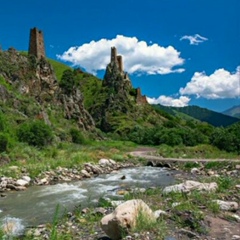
29, 87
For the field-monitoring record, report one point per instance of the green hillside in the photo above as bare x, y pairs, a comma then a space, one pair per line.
58, 67
202, 114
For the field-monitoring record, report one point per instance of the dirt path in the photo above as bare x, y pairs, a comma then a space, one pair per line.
150, 154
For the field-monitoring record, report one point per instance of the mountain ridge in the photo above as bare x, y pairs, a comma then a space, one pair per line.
234, 111
202, 114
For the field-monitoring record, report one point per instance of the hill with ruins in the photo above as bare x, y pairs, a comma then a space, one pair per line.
30, 90
71, 103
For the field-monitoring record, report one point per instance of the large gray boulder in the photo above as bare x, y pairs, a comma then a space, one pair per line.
190, 185
227, 205
125, 217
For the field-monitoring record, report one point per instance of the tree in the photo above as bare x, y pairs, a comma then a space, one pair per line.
35, 133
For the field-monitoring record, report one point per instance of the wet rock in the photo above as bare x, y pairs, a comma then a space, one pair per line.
26, 178
124, 218
43, 181
190, 185
227, 205
85, 173
21, 182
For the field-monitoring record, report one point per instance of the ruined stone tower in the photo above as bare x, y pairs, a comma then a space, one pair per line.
36, 43
113, 55
117, 59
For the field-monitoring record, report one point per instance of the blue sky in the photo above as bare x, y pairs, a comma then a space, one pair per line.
180, 52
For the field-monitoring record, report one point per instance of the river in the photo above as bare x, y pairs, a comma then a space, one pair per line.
37, 204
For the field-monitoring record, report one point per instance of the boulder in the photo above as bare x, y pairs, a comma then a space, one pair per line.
195, 171
85, 173
190, 185
21, 182
104, 162
227, 205
125, 217
26, 178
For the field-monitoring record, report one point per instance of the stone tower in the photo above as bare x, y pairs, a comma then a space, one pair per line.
117, 59
120, 63
36, 43
113, 55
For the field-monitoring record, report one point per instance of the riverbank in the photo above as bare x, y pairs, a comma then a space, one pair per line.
189, 215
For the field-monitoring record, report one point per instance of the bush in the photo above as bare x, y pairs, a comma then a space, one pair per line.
68, 81
77, 136
35, 133
3, 142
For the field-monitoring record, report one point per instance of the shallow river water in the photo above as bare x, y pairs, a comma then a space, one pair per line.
37, 204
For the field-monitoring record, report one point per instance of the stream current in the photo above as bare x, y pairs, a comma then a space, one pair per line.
37, 204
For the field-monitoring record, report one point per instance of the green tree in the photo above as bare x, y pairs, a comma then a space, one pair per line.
35, 133
68, 82
3, 142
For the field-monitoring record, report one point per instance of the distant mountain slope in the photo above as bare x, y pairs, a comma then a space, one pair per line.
233, 112
205, 115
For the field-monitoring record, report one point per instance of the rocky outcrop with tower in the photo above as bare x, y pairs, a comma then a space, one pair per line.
33, 77
118, 101
115, 77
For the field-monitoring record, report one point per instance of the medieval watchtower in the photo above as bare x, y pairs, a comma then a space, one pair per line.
36, 43
116, 59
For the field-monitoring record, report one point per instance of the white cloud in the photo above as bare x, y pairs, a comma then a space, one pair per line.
195, 39
221, 84
138, 56
182, 101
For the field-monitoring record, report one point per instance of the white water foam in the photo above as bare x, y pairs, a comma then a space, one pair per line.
12, 226
61, 188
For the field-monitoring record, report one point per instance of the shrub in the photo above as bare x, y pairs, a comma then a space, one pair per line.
35, 133
3, 142
68, 81
77, 136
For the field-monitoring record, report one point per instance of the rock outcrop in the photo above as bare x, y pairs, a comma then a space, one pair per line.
125, 218
35, 79
190, 185
118, 103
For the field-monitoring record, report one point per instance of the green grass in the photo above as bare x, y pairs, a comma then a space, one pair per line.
58, 67
67, 155
202, 151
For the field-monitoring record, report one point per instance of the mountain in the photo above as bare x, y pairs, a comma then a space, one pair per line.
202, 114
233, 112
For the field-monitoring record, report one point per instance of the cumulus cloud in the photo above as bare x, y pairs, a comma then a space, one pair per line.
182, 101
219, 85
195, 39
139, 57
